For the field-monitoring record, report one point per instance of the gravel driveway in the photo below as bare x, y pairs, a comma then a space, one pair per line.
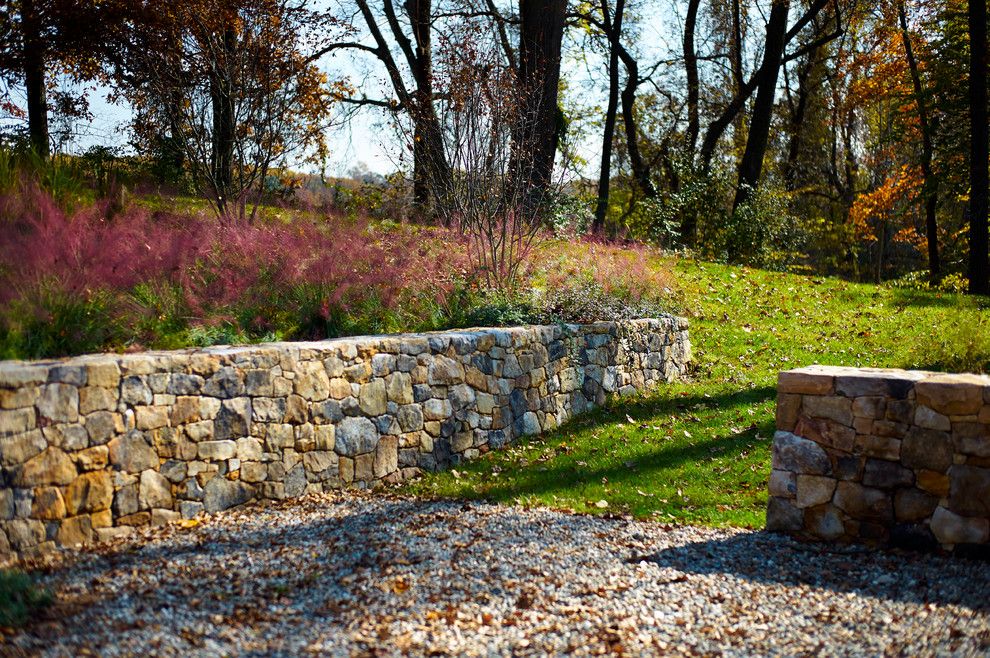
353, 574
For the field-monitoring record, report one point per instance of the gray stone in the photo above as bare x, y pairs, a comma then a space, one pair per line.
886, 474
950, 529
19, 448
174, 470
864, 503
329, 411
217, 450
183, 384
134, 391
74, 375
234, 419
295, 481
226, 383
824, 521
356, 436
410, 418
220, 494
434, 409
912, 505
132, 453
796, 455
268, 410
928, 418
444, 370
190, 508
830, 407
783, 516
59, 402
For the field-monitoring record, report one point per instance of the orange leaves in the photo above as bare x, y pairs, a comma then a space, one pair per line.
884, 203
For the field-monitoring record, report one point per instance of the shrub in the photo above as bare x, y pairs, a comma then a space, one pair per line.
20, 597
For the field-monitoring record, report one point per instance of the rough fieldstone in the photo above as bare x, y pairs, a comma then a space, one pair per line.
164, 517
444, 370
824, 521
806, 381
227, 382
410, 418
59, 402
25, 533
788, 406
863, 503
950, 529
796, 455
356, 436
782, 484
48, 504
329, 411
912, 505
926, 449
295, 481
969, 490
155, 491
783, 516
94, 398
132, 453
972, 438
386, 456
217, 450
220, 494
234, 419
134, 391
813, 490
174, 471
93, 458
434, 409
103, 426
311, 382
19, 448
75, 531
125, 501
373, 399
50, 467
249, 449
399, 388
826, 432
90, 492
183, 384
268, 410
886, 474
933, 482
928, 418
830, 407
16, 421
952, 395
317, 462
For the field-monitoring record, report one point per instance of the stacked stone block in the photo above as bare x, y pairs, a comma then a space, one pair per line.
882, 456
93, 447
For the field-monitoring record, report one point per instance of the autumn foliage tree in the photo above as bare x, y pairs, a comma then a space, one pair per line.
234, 83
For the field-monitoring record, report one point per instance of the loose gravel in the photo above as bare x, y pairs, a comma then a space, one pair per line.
374, 574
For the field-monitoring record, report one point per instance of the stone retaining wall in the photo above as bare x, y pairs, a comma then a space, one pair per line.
882, 456
94, 446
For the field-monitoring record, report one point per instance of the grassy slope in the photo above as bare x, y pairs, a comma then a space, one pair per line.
699, 451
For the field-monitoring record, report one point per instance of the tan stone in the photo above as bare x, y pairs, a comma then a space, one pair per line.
373, 398
155, 491
346, 469
386, 456
24, 396
296, 410
829, 407
137, 519
253, 472
311, 382
814, 490
340, 388
788, 405
399, 388
105, 373
102, 519
95, 398
217, 450
19, 448
50, 467
805, 381
185, 410
149, 418
952, 394
16, 421
90, 492
92, 459
364, 467
75, 531
47, 504
164, 516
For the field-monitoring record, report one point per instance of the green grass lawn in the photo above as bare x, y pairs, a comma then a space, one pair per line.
699, 451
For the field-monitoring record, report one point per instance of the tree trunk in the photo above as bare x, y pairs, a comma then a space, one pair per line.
691, 69
927, 149
540, 36
751, 165
224, 129
604, 177
979, 242
34, 79
799, 112
739, 123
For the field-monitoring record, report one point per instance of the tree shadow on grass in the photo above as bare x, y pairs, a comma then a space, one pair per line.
668, 455
894, 575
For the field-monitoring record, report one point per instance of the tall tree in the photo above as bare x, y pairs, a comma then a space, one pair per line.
925, 122
979, 243
541, 33
614, 24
